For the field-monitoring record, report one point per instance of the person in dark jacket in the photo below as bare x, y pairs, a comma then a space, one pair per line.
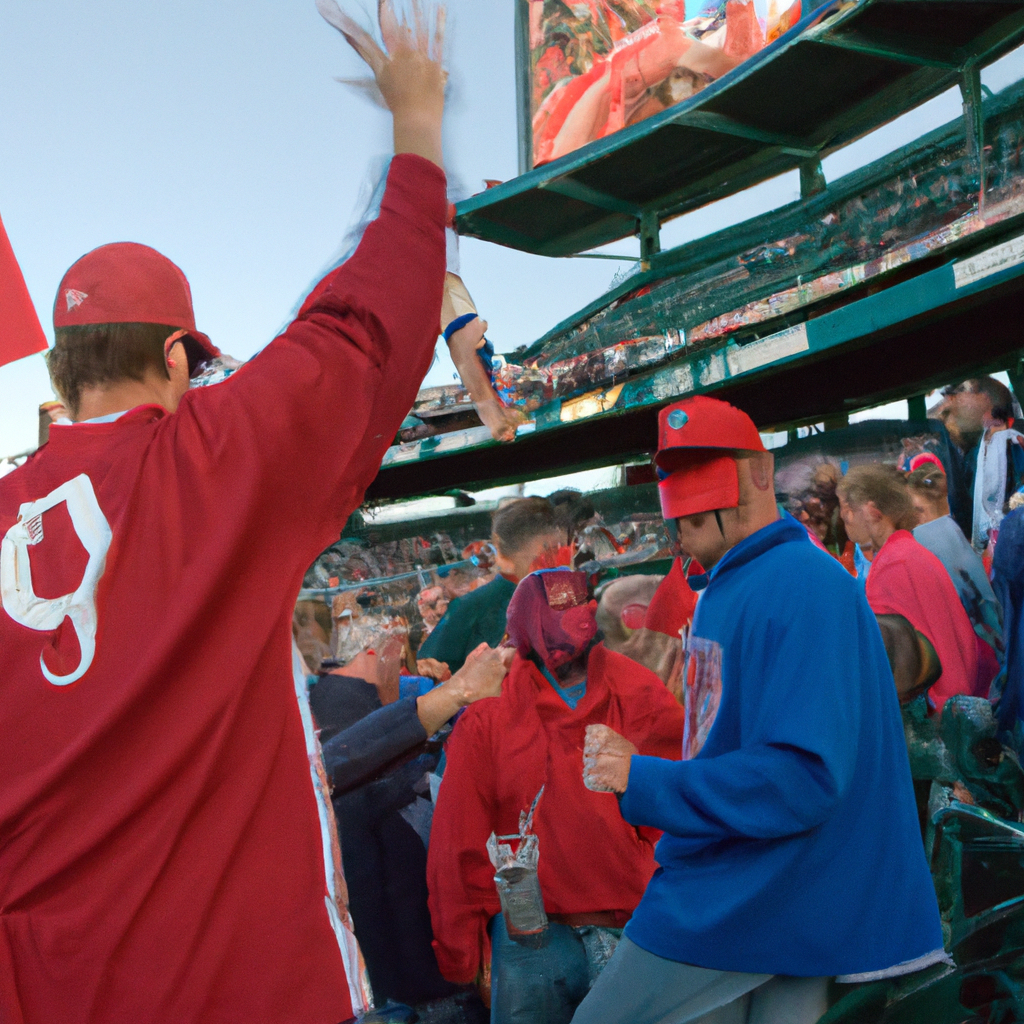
520, 530
377, 756
1008, 583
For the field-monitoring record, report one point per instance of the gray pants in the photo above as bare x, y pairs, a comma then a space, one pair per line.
638, 987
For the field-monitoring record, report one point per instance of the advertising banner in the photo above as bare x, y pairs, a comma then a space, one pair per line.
596, 66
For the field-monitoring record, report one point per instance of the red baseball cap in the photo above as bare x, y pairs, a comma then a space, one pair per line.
128, 283
697, 441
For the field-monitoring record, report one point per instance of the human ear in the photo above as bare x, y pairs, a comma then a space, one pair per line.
762, 470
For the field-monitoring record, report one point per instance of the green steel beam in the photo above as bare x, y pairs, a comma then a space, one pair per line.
574, 189
812, 179
720, 124
650, 237
886, 52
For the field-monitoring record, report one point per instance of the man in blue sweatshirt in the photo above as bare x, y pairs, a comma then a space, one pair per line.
792, 852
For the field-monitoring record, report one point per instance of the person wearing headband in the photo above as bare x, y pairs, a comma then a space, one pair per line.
792, 852
937, 531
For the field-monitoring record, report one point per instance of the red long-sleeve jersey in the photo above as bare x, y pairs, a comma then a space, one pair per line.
500, 754
161, 852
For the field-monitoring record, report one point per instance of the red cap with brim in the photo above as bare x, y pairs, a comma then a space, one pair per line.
128, 283
697, 443
704, 482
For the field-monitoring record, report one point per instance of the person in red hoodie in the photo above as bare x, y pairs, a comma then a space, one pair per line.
162, 854
908, 581
593, 866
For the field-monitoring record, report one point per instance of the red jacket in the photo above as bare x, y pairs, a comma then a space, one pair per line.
161, 854
501, 752
907, 579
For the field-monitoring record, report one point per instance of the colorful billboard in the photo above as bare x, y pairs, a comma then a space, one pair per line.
596, 66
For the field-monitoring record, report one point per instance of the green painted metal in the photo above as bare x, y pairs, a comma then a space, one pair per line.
802, 97
576, 190
719, 368
691, 259
812, 179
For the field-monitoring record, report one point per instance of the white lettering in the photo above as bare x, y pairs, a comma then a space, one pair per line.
45, 614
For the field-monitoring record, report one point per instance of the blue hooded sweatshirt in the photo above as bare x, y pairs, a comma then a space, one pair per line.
792, 844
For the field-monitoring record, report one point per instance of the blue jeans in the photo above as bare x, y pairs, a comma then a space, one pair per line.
538, 986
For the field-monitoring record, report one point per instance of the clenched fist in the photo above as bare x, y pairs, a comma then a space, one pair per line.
606, 757
481, 676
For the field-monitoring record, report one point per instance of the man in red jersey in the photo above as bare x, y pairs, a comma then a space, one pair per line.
161, 855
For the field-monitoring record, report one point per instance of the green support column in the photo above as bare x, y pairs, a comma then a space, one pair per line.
917, 411
974, 125
812, 179
650, 237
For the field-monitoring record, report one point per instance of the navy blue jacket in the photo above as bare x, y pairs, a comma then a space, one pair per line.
376, 760
1008, 583
792, 843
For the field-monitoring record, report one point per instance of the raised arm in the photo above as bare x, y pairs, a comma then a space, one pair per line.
358, 753
306, 423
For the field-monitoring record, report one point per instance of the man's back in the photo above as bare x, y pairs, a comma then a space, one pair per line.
126, 811
162, 858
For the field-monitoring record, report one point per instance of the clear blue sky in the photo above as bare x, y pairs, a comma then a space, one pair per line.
213, 130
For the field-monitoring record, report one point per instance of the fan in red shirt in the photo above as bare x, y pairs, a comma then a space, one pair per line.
161, 850
908, 582
593, 866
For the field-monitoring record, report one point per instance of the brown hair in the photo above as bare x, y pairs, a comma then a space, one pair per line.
91, 355
930, 483
514, 525
884, 486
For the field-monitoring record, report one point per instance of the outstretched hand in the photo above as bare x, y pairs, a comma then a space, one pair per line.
482, 673
407, 71
500, 419
481, 676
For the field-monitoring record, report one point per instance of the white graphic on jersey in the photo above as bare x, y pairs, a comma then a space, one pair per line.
19, 598
702, 679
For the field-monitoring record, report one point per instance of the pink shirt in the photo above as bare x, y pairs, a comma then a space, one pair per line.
907, 579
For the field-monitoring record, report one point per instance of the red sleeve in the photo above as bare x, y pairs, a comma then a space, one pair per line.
662, 724
658, 731
460, 876
299, 432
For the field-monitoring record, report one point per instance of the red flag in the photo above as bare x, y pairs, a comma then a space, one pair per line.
20, 331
